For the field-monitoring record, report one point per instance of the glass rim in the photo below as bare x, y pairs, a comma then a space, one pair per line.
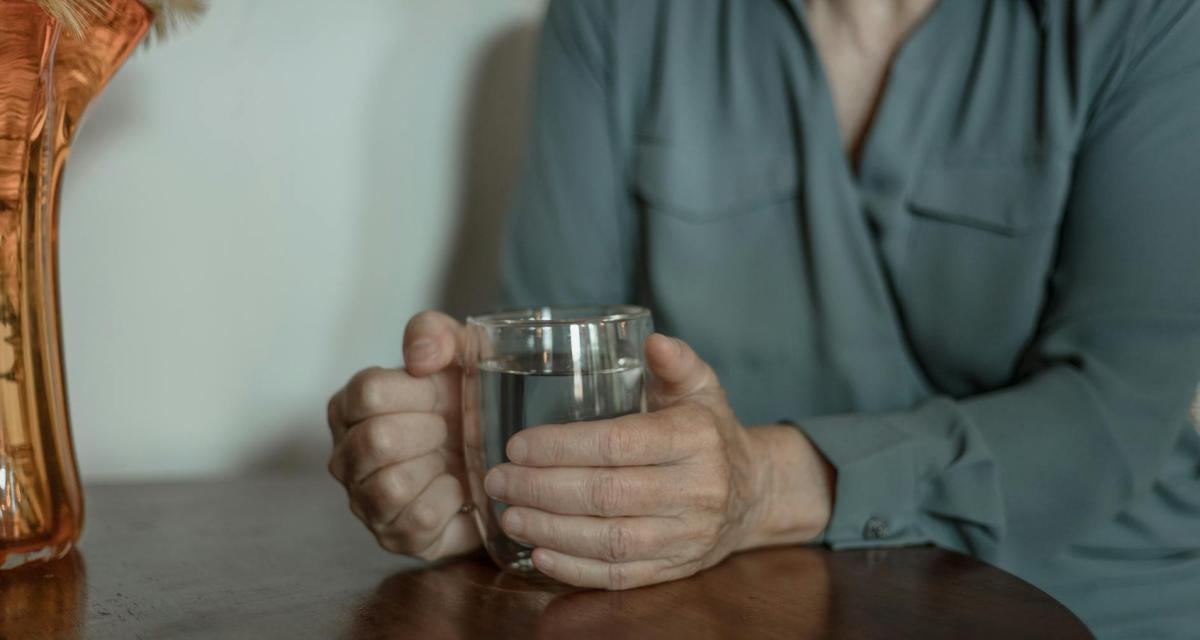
579, 314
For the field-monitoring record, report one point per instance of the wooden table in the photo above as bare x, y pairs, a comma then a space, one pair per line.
282, 557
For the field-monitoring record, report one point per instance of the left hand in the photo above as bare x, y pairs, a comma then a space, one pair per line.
653, 497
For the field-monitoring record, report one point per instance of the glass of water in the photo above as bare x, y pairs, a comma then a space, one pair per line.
547, 365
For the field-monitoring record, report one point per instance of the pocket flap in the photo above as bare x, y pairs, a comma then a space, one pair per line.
1002, 197
705, 183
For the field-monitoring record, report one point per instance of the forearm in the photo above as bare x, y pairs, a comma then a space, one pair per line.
794, 488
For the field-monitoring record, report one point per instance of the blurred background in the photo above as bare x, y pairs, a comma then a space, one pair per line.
253, 209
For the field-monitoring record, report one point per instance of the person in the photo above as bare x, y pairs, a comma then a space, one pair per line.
943, 255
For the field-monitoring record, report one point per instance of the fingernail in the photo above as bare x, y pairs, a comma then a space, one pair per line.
513, 523
678, 345
675, 343
421, 349
494, 483
544, 561
517, 449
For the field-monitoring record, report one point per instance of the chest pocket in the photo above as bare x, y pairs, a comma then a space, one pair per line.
980, 248
710, 182
719, 236
1008, 198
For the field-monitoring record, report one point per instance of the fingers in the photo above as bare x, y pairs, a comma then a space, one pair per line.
384, 494
377, 391
333, 416
432, 342
628, 491
460, 536
642, 439
610, 539
392, 445
415, 531
385, 440
599, 574
678, 371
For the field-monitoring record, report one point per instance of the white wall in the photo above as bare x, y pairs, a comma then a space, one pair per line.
253, 209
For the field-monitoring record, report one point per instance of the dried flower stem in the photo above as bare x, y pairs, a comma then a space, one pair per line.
169, 15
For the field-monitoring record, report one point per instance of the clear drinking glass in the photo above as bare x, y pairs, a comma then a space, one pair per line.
549, 365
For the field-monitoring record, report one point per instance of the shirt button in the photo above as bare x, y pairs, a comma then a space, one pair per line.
875, 528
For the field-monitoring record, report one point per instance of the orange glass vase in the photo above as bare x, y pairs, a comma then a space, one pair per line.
47, 78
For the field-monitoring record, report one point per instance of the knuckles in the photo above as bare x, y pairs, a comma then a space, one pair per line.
375, 436
708, 533
619, 444
414, 538
383, 497
525, 484
365, 442
622, 576
606, 493
384, 438
715, 491
366, 392
553, 449
424, 517
621, 542
333, 414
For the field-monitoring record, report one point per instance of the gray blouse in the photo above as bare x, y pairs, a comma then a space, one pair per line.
990, 326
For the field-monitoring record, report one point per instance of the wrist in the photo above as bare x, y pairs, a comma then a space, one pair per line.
793, 488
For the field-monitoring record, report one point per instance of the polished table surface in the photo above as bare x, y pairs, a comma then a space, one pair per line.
281, 557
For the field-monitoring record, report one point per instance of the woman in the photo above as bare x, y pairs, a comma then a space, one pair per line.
945, 253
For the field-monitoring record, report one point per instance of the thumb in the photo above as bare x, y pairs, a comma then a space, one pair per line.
677, 371
432, 342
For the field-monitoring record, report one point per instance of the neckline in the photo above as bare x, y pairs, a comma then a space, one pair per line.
855, 171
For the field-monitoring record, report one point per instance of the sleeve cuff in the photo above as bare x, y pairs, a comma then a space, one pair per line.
908, 477
875, 503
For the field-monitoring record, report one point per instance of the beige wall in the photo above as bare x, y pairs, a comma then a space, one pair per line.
253, 209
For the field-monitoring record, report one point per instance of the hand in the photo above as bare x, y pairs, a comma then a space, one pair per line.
658, 496
397, 445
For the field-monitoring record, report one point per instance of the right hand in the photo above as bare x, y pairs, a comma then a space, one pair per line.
397, 445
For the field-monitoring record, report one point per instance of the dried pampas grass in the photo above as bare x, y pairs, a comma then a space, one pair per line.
169, 15
73, 14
